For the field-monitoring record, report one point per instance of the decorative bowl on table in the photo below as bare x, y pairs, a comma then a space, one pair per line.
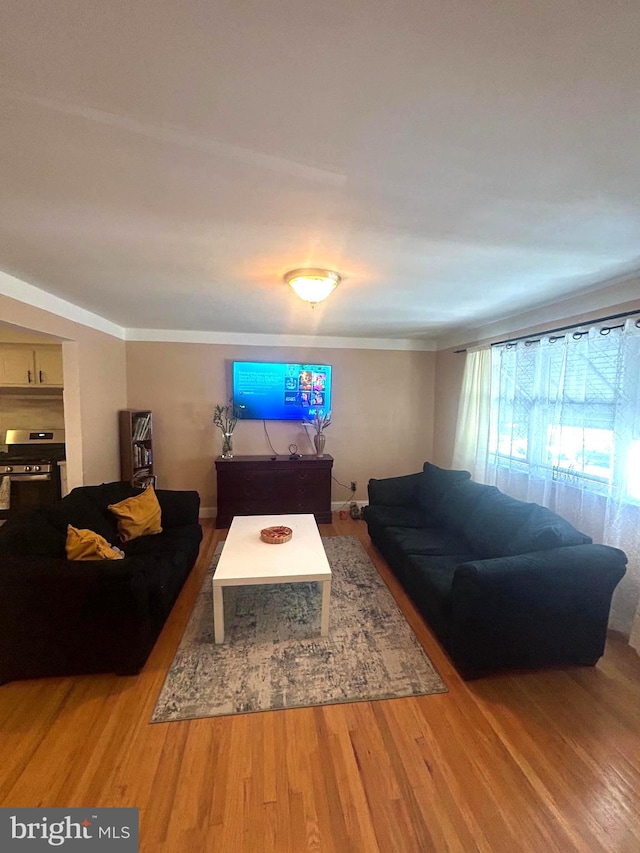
276, 535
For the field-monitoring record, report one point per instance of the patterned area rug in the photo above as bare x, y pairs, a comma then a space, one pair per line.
274, 656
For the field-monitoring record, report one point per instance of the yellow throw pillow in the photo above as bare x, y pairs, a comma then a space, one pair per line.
87, 545
138, 516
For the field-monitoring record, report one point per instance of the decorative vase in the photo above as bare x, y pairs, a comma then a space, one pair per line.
227, 445
319, 440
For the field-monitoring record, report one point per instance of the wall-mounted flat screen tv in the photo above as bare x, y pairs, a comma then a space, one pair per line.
279, 391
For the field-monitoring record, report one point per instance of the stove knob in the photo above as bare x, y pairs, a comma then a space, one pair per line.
37, 468
27, 468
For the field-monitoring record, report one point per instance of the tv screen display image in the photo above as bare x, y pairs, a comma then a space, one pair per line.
279, 391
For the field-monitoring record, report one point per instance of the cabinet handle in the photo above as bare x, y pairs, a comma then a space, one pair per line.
40, 374
29, 376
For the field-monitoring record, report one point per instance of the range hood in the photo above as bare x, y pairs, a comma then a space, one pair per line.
33, 391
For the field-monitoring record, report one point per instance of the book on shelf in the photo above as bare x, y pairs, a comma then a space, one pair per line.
142, 464
142, 455
142, 427
141, 480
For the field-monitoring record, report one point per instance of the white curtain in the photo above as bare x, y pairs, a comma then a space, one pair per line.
562, 420
472, 430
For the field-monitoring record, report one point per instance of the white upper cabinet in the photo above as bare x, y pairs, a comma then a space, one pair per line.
48, 361
26, 365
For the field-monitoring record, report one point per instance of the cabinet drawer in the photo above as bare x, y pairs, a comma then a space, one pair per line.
260, 486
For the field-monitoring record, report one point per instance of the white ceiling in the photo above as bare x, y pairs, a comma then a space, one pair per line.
164, 162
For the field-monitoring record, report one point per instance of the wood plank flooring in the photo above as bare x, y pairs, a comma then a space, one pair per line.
538, 761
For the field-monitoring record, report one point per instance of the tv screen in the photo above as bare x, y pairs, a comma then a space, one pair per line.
281, 391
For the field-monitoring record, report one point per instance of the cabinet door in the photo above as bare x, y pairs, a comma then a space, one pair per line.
16, 365
48, 365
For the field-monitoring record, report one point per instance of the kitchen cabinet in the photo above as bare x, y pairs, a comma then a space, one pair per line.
26, 365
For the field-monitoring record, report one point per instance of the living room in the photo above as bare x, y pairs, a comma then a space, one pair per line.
411, 413
182, 382
154, 285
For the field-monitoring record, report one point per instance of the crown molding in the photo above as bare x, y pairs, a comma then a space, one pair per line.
21, 291
618, 294
29, 294
244, 339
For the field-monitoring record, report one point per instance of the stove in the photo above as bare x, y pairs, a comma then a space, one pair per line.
29, 470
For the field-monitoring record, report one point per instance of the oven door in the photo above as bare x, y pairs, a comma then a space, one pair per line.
31, 491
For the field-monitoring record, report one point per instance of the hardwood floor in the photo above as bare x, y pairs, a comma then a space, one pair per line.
540, 761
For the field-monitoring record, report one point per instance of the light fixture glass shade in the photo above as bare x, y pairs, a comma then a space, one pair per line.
313, 285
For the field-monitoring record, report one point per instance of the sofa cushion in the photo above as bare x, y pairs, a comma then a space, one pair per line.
87, 545
542, 530
495, 520
139, 515
185, 539
395, 491
76, 509
30, 534
436, 573
179, 508
108, 493
396, 516
436, 482
411, 540
459, 502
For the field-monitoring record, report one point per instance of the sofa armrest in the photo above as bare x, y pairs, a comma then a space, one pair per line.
395, 491
179, 508
551, 578
61, 616
535, 609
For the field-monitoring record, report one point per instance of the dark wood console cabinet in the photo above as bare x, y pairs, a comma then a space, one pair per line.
260, 485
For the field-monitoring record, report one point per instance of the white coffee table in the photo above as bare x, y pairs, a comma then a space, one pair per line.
247, 560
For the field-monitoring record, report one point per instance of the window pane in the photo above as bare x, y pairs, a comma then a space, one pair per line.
633, 470
587, 452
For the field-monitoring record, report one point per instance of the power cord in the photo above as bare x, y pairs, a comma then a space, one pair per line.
313, 449
266, 432
344, 486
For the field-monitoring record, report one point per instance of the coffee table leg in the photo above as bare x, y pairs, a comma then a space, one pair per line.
218, 615
324, 617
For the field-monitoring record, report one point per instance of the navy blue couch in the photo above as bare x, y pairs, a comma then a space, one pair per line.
64, 617
502, 583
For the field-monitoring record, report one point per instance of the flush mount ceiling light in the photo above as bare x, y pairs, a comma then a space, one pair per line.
313, 285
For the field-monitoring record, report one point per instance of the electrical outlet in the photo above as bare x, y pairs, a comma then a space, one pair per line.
354, 485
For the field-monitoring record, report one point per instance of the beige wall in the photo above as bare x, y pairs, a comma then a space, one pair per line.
392, 409
383, 404
20, 411
450, 367
382, 411
94, 389
448, 381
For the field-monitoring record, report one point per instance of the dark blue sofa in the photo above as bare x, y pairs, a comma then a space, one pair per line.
502, 583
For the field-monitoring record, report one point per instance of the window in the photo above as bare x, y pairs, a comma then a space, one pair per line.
569, 408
